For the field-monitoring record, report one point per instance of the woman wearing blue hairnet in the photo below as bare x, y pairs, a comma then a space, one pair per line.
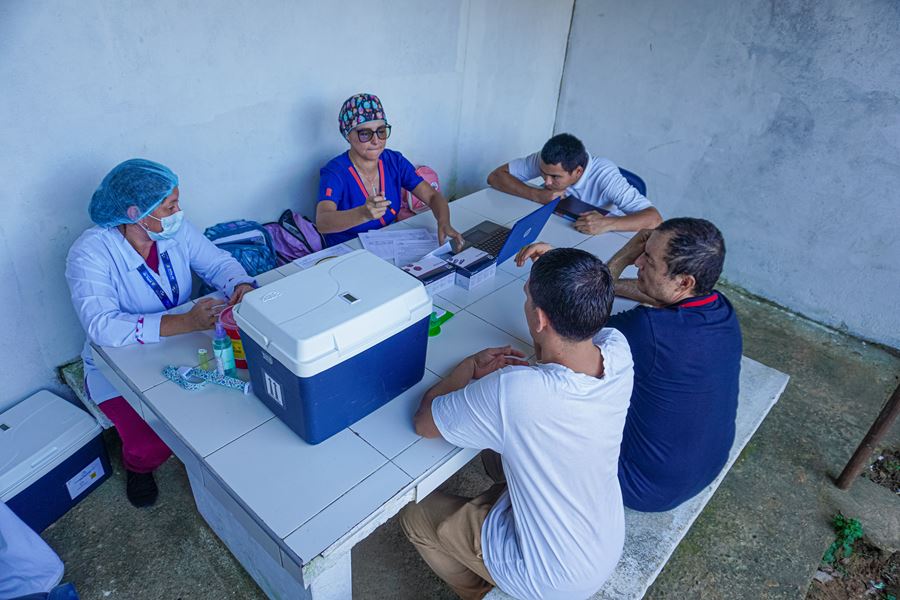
125, 274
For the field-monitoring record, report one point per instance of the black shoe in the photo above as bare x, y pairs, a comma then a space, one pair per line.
140, 488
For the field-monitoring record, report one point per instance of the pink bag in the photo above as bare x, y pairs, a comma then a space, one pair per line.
294, 236
412, 204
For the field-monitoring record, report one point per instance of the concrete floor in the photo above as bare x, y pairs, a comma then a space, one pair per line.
761, 536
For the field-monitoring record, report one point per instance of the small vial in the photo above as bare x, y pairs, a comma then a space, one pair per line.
203, 358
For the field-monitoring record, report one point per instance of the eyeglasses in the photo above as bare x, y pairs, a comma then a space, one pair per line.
365, 135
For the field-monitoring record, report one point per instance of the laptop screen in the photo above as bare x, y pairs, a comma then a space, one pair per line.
525, 231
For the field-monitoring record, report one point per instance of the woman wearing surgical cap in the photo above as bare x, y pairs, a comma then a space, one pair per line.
125, 274
359, 190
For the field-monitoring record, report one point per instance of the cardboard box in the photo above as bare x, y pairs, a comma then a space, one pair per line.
434, 273
476, 273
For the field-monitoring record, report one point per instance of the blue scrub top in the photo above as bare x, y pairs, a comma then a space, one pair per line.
680, 425
340, 183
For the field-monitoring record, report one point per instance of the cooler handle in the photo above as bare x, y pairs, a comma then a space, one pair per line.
45, 457
253, 330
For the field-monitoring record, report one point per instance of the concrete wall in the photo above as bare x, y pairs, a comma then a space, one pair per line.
240, 99
777, 120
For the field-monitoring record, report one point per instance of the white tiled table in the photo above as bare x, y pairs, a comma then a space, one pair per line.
290, 511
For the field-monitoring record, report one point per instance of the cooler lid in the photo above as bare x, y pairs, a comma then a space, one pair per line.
36, 435
314, 319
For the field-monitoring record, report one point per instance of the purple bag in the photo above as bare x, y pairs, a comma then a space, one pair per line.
294, 236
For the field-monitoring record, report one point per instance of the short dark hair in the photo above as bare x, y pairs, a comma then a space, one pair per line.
575, 289
697, 248
565, 149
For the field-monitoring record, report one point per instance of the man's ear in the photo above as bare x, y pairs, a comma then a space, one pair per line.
543, 321
578, 171
685, 283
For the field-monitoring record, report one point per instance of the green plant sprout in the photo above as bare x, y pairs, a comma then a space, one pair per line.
848, 531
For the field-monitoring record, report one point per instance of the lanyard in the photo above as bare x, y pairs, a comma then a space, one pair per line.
173, 282
356, 175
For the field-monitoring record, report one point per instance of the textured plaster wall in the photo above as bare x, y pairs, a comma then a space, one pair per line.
777, 120
241, 100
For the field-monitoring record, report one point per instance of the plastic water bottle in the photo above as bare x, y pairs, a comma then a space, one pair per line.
224, 352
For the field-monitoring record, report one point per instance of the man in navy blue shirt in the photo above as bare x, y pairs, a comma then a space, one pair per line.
686, 345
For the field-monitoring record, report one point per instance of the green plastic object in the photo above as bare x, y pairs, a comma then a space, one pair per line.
435, 322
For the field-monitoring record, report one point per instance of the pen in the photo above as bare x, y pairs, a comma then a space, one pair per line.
390, 208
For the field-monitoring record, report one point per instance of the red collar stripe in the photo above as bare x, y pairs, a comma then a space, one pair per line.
693, 303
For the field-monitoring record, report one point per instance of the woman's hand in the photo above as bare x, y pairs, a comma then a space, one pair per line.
445, 230
375, 207
203, 315
533, 251
239, 292
490, 359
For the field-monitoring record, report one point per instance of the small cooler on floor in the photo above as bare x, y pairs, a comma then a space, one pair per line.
51, 456
330, 344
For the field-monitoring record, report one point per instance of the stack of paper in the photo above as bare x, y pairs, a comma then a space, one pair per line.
399, 246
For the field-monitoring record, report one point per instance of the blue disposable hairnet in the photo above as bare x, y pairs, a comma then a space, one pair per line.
135, 182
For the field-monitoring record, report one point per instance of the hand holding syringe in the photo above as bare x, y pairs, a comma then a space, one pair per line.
377, 205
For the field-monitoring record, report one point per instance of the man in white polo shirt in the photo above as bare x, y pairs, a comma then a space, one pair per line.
555, 529
569, 170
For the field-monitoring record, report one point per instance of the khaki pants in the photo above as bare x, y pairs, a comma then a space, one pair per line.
446, 530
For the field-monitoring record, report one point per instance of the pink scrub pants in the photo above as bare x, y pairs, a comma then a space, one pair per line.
142, 450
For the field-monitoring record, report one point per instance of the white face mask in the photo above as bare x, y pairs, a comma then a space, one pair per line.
170, 226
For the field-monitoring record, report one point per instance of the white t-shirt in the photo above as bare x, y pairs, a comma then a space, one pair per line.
557, 532
601, 184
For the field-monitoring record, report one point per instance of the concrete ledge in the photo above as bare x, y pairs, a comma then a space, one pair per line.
73, 373
651, 538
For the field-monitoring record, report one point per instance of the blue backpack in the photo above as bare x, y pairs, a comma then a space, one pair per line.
247, 241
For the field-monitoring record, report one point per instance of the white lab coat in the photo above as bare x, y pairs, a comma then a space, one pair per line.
27, 564
116, 305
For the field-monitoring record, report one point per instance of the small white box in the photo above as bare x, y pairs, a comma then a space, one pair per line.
435, 273
442, 282
473, 275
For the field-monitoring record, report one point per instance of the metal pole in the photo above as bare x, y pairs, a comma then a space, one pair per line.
878, 430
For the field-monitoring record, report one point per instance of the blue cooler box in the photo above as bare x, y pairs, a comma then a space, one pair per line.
328, 345
51, 457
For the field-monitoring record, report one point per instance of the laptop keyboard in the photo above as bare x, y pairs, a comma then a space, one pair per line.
494, 243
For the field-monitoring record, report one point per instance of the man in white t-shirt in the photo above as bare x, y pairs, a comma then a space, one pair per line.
557, 530
568, 170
